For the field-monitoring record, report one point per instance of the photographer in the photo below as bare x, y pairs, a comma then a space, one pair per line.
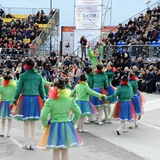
83, 42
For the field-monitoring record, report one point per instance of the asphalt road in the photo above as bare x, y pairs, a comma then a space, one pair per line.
101, 143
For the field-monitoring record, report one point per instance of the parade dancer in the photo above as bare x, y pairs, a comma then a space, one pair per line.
135, 98
82, 93
110, 90
123, 109
95, 56
100, 83
89, 75
60, 134
30, 102
7, 90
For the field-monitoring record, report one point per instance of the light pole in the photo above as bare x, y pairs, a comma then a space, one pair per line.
50, 35
147, 2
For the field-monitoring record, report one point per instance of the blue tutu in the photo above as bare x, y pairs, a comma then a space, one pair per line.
96, 101
5, 109
59, 135
28, 108
123, 111
137, 104
86, 107
110, 90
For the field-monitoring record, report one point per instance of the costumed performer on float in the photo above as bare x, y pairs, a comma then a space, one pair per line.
28, 101
60, 134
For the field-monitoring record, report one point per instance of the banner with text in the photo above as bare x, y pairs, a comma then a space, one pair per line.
88, 17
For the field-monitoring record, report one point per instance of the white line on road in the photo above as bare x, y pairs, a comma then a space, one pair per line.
155, 127
16, 142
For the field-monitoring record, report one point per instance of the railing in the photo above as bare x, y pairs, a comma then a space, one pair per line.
126, 21
27, 11
135, 51
52, 28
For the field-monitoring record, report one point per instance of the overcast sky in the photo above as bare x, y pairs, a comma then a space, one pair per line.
121, 9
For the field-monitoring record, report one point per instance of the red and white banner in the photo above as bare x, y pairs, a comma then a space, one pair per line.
67, 39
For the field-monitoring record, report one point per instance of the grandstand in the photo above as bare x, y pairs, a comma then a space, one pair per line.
139, 35
32, 29
27, 31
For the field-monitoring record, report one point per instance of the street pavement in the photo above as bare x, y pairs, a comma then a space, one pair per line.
101, 143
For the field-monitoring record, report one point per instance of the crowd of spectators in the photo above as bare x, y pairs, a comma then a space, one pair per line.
14, 33
53, 67
138, 33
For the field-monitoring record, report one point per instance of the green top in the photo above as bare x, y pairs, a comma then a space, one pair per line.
46, 83
1, 80
59, 110
90, 79
7, 92
110, 75
30, 83
122, 92
134, 86
83, 92
100, 80
94, 59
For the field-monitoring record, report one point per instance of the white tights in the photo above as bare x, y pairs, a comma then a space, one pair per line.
107, 110
100, 113
9, 125
81, 122
122, 125
26, 131
63, 152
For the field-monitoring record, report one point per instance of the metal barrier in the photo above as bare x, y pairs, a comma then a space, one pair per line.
135, 51
23, 11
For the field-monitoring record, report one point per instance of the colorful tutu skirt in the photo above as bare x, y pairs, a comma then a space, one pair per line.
123, 111
28, 108
142, 100
59, 135
5, 109
96, 101
110, 90
137, 104
86, 107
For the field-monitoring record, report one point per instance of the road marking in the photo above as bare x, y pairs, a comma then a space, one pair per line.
155, 127
16, 142
151, 105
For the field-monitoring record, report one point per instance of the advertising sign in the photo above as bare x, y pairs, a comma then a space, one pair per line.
88, 17
67, 40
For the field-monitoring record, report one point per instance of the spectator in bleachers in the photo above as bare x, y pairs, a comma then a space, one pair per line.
157, 63
8, 62
153, 35
150, 63
46, 67
2, 14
